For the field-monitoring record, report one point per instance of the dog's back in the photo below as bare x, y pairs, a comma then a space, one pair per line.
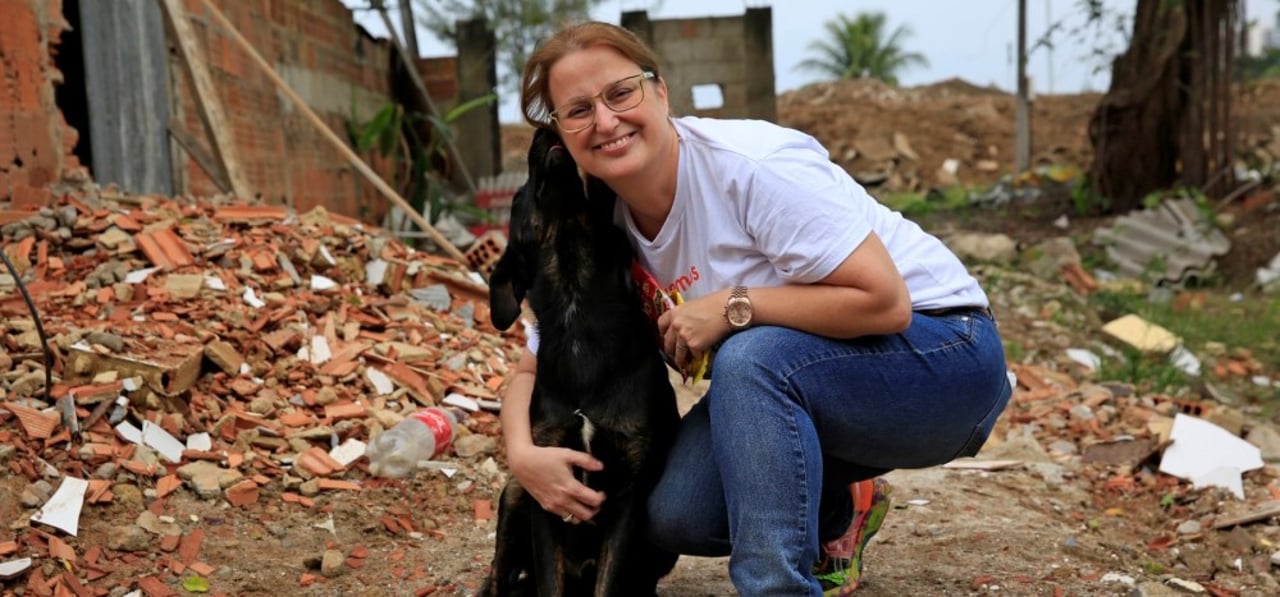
601, 385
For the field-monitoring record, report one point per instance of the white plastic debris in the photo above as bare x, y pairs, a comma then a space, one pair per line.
1208, 455
318, 352
159, 440
129, 433
139, 276
13, 568
214, 283
200, 442
382, 383
1123, 579
1185, 361
321, 283
62, 511
375, 272
1085, 357
455, 399
253, 300
328, 257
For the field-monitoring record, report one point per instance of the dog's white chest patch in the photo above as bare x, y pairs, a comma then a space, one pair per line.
588, 431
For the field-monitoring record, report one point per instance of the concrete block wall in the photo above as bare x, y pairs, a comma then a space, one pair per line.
335, 67
35, 141
733, 53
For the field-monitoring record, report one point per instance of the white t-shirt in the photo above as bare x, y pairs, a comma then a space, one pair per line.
762, 205
758, 204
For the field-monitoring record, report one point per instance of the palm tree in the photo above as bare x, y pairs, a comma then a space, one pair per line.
856, 48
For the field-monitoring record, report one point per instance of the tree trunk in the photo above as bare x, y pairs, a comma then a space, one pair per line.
1165, 120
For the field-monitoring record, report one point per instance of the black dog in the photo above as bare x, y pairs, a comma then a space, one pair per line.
601, 387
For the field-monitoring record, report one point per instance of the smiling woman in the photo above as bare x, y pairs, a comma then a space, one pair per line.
845, 341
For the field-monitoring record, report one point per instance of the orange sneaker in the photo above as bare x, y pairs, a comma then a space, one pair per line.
839, 568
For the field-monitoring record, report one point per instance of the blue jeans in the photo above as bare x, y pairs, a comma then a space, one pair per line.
789, 413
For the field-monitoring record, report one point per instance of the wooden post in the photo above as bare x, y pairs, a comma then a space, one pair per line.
332, 137
410, 65
1022, 111
206, 98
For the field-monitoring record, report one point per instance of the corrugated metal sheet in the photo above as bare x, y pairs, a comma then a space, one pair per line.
1170, 243
127, 79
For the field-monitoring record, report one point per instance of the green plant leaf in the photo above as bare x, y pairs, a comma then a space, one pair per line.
195, 584
457, 111
372, 132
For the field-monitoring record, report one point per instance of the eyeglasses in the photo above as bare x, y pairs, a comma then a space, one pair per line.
579, 114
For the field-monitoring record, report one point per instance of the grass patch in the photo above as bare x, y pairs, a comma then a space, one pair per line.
1250, 323
912, 204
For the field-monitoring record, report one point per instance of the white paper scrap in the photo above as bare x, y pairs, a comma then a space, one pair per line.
62, 511
13, 568
1200, 448
1085, 357
1184, 360
321, 283
129, 433
348, 452
199, 441
159, 440
214, 283
318, 352
139, 276
460, 401
375, 272
252, 299
328, 257
381, 381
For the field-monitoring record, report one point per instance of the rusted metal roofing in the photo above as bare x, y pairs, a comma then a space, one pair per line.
1173, 242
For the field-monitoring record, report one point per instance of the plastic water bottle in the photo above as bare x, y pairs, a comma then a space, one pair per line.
420, 436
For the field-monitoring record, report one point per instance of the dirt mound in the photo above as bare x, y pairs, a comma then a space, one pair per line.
901, 138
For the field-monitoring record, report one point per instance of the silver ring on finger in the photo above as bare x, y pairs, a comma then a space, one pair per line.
569, 518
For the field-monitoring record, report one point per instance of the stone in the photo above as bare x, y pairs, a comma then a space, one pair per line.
128, 495
131, 538
1268, 441
208, 479
155, 525
35, 494
331, 563
475, 445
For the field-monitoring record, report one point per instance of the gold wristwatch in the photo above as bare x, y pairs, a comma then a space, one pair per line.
737, 310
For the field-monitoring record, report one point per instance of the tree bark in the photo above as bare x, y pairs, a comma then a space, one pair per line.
1165, 120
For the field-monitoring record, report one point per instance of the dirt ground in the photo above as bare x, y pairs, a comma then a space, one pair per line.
1051, 524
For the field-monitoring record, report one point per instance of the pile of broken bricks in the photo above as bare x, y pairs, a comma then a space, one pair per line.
220, 349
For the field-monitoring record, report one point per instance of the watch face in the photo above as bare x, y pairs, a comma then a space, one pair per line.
739, 313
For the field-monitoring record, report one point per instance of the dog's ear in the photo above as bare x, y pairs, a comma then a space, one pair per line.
507, 287
513, 274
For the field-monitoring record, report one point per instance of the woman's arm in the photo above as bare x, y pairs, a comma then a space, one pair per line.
546, 473
864, 295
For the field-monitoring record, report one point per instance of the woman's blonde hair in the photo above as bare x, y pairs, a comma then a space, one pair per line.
535, 94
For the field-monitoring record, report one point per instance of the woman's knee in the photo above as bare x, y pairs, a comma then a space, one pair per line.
754, 349
679, 529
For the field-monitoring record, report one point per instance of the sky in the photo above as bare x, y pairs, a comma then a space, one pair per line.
970, 39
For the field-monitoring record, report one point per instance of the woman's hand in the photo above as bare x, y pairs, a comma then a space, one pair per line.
548, 475
691, 329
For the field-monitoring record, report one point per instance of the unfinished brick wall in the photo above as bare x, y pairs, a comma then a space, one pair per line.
313, 45
734, 54
329, 62
35, 142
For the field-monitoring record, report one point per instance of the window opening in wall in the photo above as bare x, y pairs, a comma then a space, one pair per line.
72, 94
708, 96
